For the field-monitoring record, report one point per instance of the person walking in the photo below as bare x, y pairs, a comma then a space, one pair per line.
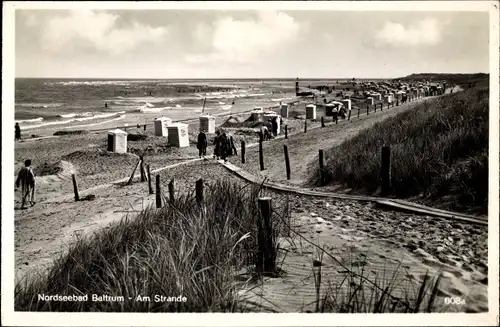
224, 146
18, 132
202, 143
26, 179
217, 145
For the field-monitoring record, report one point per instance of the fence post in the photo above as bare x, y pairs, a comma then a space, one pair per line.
349, 115
261, 155
171, 190
287, 162
150, 182
359, 108
243, 151
322, 121
158, 192
199, 191
266, 255
367, 109
386, 170
133, 173
322, 167
144, 126
381, 106
75, 187
143, 171
305, 125
286, 132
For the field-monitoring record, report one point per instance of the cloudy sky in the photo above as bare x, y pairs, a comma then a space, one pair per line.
247, 44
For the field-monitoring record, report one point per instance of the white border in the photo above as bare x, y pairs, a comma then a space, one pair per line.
11, 318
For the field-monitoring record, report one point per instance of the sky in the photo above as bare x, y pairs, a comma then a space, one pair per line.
247, 44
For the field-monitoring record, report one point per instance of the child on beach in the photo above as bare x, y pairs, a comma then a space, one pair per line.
26, 179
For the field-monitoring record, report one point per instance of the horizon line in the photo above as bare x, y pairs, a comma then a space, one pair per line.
245, 78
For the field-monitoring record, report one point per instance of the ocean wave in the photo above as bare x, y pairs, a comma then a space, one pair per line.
85, 114
99, 123
229, 95
149, 110
90, 83
63, 122
35, 120
111, 114
39, 105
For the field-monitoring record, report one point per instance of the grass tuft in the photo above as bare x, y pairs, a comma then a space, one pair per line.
439, 153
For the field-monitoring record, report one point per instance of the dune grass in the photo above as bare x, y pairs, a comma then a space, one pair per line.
188, 250
439, 153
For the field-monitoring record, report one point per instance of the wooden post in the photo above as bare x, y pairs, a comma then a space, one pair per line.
242, 151
287, 162
150, 182
158, 192
133, 173
388, 105
266, 255
171, 190
375, 107
144, 126
386, 170
397, 103
322, 121
322, 167
381, 106
359, 108
349, 115
143, 171
75, 187
286, 132
261, 156
305, 125
199, 191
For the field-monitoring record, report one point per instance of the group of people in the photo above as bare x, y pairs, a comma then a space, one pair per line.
223, 145
270, 128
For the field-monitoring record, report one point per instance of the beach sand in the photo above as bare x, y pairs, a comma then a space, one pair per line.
421, 242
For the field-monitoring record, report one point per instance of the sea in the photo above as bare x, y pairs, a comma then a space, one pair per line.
43, 104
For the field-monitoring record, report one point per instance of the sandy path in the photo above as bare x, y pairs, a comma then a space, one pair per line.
362, 236
45, 231
303, 147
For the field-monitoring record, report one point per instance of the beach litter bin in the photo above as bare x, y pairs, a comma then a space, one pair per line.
207, 124
257, 114
178, 135
117, 141
330, 108
161, 126
272, 115
347, 104
285, 110
310, 111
